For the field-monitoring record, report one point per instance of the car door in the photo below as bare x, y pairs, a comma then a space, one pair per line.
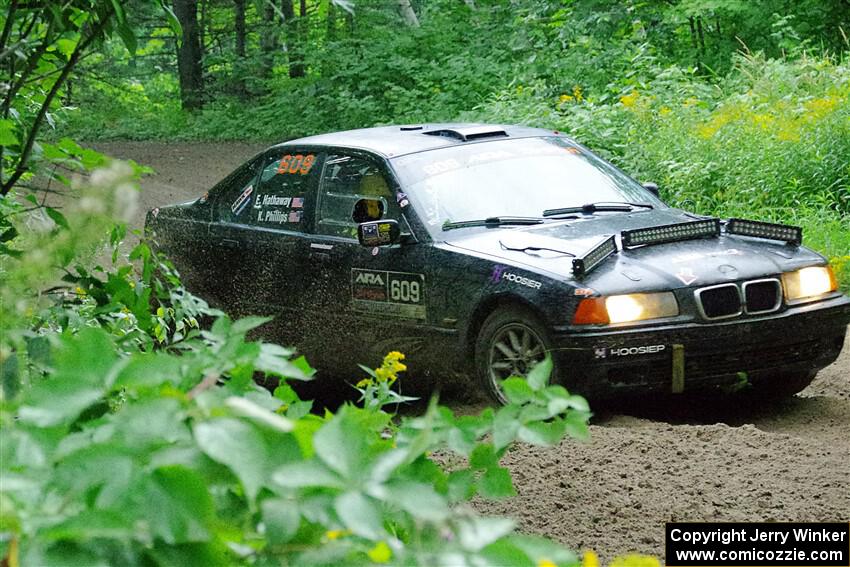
364, 301
262, 234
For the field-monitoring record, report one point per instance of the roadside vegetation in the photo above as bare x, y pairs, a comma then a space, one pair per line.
133, 431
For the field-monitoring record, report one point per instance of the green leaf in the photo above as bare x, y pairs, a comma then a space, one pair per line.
517, 390
91, 524
483, 457
360, 514
341, 444
496, 483
7, 133
281, 519
57, 217
179, 507
542, 432
245, 324
238, 446
505, 427
418, 499
461, 485
306, 474
147, 370
475, 533
173, 22
576, 426
539, 375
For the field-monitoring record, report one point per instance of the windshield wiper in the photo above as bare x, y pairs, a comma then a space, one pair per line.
492, 221
594, 207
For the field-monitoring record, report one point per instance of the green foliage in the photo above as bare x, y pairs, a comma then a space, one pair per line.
124, 444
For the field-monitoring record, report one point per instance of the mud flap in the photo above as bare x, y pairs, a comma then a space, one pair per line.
677, 384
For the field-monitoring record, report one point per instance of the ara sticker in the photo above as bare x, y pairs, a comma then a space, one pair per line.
204, 198
242, 200
402, 199
296, 164
393, 294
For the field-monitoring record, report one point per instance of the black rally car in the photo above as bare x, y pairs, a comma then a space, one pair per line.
482, 248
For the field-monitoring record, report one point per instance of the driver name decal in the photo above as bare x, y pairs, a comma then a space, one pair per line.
393, 294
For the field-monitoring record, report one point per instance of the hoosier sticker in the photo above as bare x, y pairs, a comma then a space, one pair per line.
395, 294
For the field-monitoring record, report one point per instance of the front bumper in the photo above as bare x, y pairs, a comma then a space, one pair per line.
700, 356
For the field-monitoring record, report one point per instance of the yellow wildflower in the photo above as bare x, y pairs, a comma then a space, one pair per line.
630, 99
364, 383
546, 563
394, 356
566, 98
577, 94
336, 534
665, 110
381, 553
590, 559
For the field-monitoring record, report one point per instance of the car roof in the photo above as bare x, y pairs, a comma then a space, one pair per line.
394, 141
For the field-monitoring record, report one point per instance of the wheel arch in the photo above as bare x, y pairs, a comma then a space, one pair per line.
484, 309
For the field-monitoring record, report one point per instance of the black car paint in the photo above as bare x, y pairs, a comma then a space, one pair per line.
307, 281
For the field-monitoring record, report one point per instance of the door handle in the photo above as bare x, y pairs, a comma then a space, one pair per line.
231, 244
322, 256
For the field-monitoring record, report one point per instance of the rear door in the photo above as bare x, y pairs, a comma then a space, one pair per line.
262, 232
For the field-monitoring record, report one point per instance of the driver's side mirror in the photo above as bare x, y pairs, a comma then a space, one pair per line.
652, 188
378, 233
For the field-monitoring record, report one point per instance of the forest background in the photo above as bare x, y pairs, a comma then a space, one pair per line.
733, 107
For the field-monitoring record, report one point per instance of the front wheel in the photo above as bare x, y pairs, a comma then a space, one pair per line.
511, 341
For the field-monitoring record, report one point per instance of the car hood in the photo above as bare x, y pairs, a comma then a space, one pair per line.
549, 249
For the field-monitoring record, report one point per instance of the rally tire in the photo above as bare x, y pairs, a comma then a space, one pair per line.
509, 342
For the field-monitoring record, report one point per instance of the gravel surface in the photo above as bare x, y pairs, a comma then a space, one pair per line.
647, 462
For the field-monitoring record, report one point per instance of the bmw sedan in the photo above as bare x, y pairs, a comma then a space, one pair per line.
483, 248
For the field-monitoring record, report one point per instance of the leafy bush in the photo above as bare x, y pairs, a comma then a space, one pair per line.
128, 439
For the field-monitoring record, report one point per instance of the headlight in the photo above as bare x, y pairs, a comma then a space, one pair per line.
809, 283
625, 308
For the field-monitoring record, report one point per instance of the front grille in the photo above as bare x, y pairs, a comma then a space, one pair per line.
719, 301
762, 296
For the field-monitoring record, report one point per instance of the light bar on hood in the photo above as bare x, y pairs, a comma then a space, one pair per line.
670, 233
785, 233
583, 264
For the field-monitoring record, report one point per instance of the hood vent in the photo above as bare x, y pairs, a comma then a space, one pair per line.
470, 133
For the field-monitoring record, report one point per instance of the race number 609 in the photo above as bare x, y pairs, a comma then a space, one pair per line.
404, 290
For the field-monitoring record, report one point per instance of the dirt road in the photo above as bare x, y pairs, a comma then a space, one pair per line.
646, 463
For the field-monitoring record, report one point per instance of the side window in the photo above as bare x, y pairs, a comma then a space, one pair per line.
277, 197
352, 190
228, 198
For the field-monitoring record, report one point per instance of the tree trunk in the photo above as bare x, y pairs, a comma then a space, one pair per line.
407, 13
189, 55
239, 21
296, 39
268, 38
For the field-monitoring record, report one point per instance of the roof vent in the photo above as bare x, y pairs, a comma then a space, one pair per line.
469, 134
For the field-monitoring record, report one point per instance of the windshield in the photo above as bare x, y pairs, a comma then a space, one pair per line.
518, 178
